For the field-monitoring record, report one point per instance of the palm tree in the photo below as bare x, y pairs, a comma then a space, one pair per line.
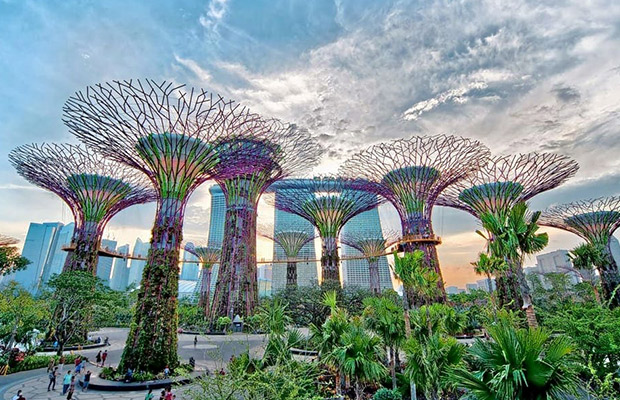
524, 364
385, 318
406, 270
488, 266
358, 356
585, 258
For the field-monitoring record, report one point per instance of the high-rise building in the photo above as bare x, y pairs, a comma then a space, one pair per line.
39, 246
453, 290
57, 261
264, 279
216, 226
556, 261
306, 270
483, 284
614, 246
471, 286
104, 266
136, 267
120, 273
356, 272
190, 270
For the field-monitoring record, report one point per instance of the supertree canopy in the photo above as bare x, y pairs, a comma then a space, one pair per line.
594, 220
372, 245
411, 173
170, 134
291, 241
248, 167
94, 188
496, 187
327, 203
208, 257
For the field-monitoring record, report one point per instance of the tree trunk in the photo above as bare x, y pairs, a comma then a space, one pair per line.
330, 261
610, 278
291, 274
205, 289
406, 315
152, 341
86, 239
375, 280
526, 296
393, 366
359, 391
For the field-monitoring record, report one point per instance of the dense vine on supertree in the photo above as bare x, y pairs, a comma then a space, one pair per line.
208, 257
169, 133
372, 245
291, 241
279, 151
411, 173
327, 203
496, 187
594, 220
95, 189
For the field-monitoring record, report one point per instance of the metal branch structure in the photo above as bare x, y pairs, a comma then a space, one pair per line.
170, 133
498, 186
372, 245
208, 256
594, 220
249, 167
94, 188
291, 241
411, 173
327, 203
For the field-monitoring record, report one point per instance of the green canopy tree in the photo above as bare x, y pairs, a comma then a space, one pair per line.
20, 314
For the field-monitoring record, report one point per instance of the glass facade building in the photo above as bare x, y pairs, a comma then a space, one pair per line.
104, 266
120, 273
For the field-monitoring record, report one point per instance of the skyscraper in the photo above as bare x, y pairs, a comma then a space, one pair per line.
614, 246
190, 270
39, 246
556, 261
136, 267
216, 225
306, 271
120, 273
57, 260
104, 266
356, 272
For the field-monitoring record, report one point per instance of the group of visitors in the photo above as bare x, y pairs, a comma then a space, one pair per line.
68, 380
101, 357
166, 394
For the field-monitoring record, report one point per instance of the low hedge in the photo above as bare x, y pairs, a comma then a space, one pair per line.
35, 362
112, 374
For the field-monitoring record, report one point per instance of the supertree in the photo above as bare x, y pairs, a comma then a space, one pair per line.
594, 220
248, 167
170, 134
411, 173
94, 188
372, 245
208, 257
496, 187
327, 203
291, 241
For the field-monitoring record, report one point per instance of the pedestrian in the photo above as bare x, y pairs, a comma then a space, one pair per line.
83, 364
21, 397
61, 365
166, 372
78, 369
168, 393
195, 341
66, 382
162, 395
86, 381
98, 358
78, 360
71, 388
149, 395
52, 376
17, 396
50, 365
103, 357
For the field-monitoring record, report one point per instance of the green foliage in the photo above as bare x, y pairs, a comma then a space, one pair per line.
223, 323
387, 394
20, 315
525, 364
36, 362
114, 308
437, 318
191, 316
11, 261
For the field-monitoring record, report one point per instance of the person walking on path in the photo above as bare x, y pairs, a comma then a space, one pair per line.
166, 372
149, 395
86, 381
162, 395
71, 388
66, 382
17, 396
50, 365
78, 369
98, 358
195, 341
52, 376
168, 395
61, 365
103, 358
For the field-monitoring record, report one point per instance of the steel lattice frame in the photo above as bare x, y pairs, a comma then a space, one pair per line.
594, 220
327, 203
282, 150
372, 245
497, 187
411, 173
208, 257
170, 134
94, 188
291, 241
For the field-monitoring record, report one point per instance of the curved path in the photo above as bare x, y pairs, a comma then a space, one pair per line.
211, 352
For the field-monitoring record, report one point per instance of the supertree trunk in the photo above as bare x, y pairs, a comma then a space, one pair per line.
330, 261
610, 277
508, 289
236, 291
204, 301
291, 274
375, 280
152, 341
422, 228
86, 239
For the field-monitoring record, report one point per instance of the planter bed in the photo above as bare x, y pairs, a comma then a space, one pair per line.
97, 383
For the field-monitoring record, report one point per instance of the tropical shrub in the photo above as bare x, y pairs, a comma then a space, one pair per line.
387, 394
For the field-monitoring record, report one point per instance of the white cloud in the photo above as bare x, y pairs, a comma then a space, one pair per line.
216, 10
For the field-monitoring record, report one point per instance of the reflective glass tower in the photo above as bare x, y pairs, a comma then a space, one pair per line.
356, 272
104, 266
136, 267
120, 273
216, 226
57, 260
189, 270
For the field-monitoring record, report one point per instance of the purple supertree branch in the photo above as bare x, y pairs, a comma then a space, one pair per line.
506, 180
208, 256
94, 188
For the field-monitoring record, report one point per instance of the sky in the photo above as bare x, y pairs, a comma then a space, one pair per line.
520, 76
